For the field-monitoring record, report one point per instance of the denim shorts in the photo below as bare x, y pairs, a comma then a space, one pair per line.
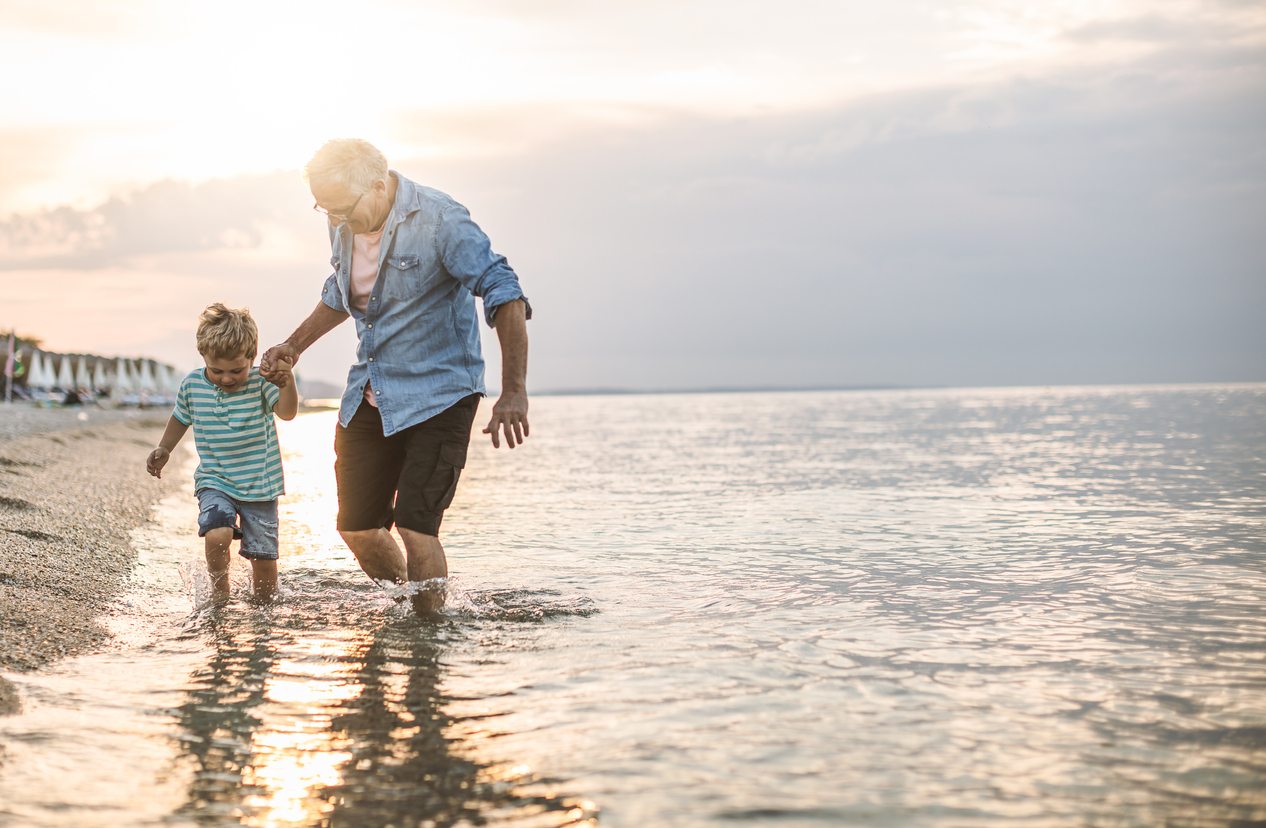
258, 531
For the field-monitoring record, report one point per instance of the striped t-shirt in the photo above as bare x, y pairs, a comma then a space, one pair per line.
235, 436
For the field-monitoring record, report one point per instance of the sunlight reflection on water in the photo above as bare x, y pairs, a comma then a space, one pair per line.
901, 608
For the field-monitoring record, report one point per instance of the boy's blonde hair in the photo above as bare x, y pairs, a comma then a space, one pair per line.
224, 333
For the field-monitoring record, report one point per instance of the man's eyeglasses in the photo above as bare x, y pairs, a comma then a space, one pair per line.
339, 216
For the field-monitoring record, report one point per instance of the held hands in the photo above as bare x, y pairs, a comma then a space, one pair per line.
509, 413
277, 364
156, 460
284, 369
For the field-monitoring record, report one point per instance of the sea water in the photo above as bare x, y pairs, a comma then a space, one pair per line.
988, 607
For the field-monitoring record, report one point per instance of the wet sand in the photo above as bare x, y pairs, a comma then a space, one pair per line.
71, 488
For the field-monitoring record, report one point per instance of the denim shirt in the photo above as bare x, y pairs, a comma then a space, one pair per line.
419, 335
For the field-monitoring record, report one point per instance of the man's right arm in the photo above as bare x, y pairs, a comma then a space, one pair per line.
321, 321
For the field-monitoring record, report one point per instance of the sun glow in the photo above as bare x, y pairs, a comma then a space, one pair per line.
116, 95
298, 755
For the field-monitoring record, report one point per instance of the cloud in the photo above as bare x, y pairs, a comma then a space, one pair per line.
165, 217
1089, 227
1100, 224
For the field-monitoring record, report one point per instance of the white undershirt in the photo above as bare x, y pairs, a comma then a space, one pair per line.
363, 275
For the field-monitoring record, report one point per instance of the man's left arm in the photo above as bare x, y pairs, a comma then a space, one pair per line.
509, 413
468, 256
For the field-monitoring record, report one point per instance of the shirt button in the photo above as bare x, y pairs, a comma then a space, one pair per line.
372, 298
370, 325
377, 393
371, 359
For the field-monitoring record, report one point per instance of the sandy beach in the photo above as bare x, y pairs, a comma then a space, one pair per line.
72, 485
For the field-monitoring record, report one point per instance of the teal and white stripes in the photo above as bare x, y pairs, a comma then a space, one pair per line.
235, 435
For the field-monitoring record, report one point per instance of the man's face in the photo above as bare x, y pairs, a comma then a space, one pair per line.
227, 374
345, 206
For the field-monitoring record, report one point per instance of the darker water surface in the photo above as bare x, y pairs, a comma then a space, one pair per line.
1037, 607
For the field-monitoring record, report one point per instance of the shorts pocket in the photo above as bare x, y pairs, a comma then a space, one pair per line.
438, 493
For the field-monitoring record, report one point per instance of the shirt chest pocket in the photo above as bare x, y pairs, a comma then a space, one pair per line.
248, 420
405, 277
247, 415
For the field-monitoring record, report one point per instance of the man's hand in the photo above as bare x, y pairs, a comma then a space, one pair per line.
156, 460
277, 364
510, 413
283, 367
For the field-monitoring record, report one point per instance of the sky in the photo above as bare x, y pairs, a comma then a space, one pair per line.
695, 195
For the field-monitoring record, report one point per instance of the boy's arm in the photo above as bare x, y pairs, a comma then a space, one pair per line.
287, 405
171, 438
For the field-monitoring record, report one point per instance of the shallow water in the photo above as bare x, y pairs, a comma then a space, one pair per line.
906, 608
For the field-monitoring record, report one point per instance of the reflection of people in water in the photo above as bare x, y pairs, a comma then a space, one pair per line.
385, 740
402, 762
220, 719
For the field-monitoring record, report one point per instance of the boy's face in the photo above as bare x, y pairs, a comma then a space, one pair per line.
228, 374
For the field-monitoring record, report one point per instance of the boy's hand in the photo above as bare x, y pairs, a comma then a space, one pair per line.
157, 459
270, 364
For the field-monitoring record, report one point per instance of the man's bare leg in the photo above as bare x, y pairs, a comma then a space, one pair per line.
218, 559
379, 556
264, 579
426, 561
377, 553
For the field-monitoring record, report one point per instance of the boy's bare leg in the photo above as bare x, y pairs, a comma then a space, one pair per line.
377, 553
426, 561
218, 558
264, 579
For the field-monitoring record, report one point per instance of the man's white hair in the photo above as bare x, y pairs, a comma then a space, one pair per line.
352, 163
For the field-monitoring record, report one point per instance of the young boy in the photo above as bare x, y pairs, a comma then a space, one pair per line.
231, 410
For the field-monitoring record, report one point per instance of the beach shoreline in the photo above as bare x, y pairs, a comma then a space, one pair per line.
72, 486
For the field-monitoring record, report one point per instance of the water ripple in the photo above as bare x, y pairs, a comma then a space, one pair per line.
1039, 607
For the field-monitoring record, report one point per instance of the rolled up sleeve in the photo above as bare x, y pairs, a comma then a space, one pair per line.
467, 255
330, 294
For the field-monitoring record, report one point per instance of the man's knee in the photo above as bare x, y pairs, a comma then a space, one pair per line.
418, 536
363, 540
353, 539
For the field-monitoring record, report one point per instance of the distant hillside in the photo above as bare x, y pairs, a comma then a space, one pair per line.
319, 389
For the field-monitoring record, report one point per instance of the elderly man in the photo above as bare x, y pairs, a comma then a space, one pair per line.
408, 264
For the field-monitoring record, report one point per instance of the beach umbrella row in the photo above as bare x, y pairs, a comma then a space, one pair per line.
65, 379
149, 377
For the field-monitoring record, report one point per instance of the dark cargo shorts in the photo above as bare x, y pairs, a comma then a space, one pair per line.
408, 478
